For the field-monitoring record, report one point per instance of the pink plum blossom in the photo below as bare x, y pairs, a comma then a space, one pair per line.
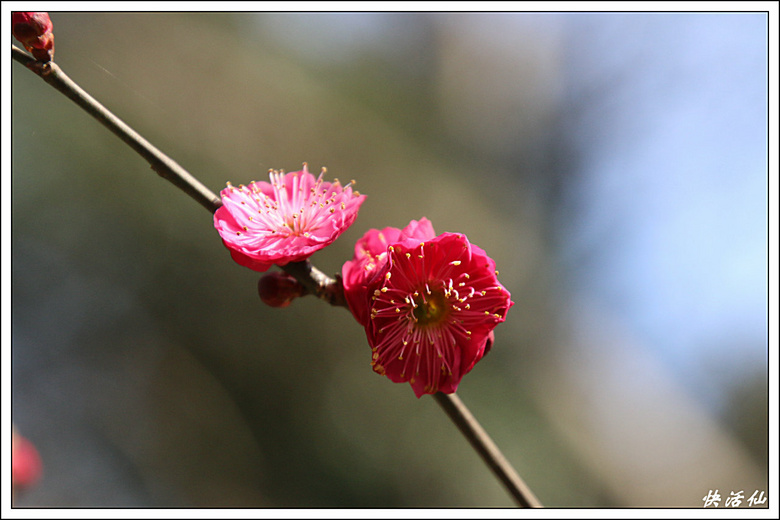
429, 304
286, 220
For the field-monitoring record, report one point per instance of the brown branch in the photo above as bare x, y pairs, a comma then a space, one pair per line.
487, 449
166, 167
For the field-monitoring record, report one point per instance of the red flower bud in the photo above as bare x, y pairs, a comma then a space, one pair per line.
34, 31
25, 462
279, 289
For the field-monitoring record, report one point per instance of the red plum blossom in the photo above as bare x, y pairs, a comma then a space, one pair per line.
428, 303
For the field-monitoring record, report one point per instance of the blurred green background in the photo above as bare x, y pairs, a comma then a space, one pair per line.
148, 373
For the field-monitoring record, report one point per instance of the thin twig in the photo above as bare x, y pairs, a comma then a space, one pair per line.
315, 281
161, 163
487, 449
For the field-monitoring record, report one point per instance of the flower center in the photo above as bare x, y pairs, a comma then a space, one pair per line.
431, 308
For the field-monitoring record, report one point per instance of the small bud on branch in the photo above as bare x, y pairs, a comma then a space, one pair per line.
278, 289
34, 31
